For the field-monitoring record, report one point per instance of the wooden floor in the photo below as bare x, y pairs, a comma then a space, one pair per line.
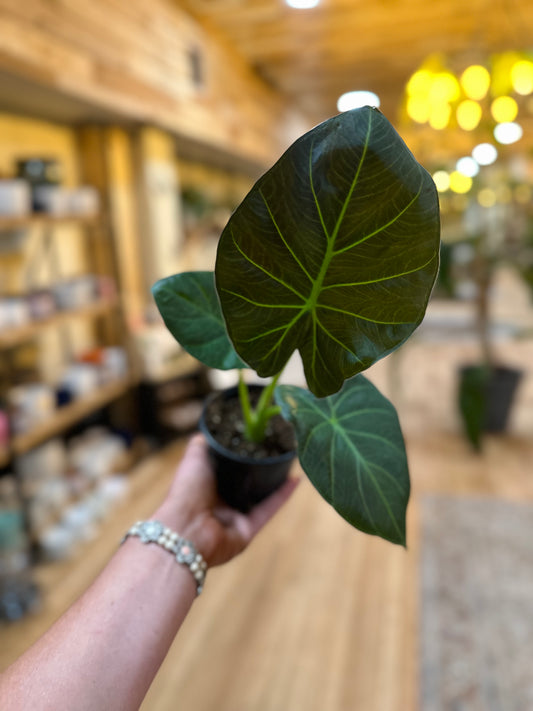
314, 616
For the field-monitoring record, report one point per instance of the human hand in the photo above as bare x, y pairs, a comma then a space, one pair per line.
193, 508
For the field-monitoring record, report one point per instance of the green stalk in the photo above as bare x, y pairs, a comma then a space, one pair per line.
256, 420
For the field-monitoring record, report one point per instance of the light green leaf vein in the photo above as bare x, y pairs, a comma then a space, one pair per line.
372, 435
363, 318
312, 185
381, 228
287, 245
389, 476
379, 279
311, 435
354, 181
287, 328
364, 411
336, 340
262, 306
264, 270
377, 487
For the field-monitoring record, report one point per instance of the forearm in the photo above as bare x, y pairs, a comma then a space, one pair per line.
105, 651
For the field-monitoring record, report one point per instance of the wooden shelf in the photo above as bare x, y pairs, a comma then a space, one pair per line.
19, 334
43, 220
69, 415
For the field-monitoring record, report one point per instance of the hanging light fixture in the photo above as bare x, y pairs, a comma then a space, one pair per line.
356, 100
302, 4
481, 95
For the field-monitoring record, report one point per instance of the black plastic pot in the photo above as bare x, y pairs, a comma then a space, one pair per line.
243, 481
486, 397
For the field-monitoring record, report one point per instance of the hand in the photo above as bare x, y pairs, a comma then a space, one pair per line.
193, 508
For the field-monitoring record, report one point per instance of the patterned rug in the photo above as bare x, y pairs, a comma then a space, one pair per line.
477, 605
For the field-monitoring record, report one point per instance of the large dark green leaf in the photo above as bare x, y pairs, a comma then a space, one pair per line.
351, 447
333, 252
190, 308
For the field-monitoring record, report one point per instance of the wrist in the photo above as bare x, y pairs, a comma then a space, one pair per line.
194, 526
155, 533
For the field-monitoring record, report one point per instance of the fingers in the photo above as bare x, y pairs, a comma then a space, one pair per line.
194, 476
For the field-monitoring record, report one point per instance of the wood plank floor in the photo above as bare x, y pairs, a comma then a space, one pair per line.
314, 616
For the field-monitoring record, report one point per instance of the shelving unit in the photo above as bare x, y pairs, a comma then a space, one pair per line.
77, 326
69, 415
42, 220
19, 334
101, 309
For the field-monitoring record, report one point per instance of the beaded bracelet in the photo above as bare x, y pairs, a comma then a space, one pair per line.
184, 551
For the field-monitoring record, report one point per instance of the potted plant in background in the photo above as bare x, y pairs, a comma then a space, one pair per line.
493, 236
333, 253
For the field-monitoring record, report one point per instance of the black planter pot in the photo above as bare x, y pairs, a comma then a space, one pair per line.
243, 481
486, 397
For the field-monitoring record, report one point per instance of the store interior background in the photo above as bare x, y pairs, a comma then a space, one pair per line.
135, 129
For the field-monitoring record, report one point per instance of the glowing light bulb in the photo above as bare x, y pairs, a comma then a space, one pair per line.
302, 4
418, 109
467, 166
444, 88
508, 133
442, 181
420, 83
356, 100
484, 153
439, 116
522, 77
475, 81
504, 109
468, 114
460, 183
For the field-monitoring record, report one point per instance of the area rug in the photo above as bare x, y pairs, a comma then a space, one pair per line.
476, 622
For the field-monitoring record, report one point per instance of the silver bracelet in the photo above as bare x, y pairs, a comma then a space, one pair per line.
184, 551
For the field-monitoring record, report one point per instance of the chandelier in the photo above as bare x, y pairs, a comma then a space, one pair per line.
490, 96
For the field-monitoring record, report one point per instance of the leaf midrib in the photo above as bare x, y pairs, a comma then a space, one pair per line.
374, 481
330, 249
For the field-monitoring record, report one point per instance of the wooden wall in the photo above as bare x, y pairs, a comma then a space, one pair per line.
132, 58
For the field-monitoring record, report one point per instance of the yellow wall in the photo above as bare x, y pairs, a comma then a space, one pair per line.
22, 138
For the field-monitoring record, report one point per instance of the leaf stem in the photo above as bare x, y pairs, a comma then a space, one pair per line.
256, 420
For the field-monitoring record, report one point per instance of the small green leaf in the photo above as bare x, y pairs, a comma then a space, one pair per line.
333, 252
189, 305
473, 387
351, 447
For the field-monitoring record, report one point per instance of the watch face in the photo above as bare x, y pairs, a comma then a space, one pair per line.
150, 531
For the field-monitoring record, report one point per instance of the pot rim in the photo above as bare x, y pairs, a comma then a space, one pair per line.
220, 449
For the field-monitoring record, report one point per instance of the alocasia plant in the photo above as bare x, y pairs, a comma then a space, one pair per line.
333, 253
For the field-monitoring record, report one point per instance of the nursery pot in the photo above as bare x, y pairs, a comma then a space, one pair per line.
243, 481
499, 385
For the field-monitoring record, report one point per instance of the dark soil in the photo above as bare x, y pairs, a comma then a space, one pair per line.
224, 420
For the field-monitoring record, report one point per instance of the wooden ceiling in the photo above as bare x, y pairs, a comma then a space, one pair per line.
314, 55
